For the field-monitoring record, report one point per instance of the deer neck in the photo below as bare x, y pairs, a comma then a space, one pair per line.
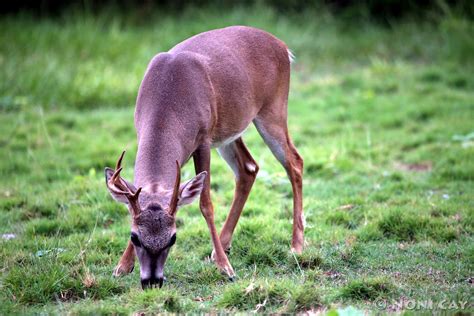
173, 115
155, 165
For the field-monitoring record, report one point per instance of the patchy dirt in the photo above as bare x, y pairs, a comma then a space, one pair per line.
424, 166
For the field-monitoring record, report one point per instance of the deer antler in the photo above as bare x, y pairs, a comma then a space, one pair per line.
117, 186
175, 196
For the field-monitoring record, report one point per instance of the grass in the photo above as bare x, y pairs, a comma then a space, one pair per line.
365, 289
284, 295
382, 116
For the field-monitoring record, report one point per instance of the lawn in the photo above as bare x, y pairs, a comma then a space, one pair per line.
383, 116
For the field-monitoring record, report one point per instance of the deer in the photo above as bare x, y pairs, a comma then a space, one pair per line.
203, 94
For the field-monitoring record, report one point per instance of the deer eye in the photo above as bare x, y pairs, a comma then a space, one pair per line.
172, 240
135, 240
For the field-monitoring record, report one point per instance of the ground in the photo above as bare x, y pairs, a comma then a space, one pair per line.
382, 115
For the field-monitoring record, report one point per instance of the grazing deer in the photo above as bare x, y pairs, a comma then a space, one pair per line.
203, 94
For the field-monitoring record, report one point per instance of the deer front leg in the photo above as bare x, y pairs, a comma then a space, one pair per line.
202, 161
127, 261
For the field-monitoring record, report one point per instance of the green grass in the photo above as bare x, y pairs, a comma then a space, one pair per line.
365, 289
382, 116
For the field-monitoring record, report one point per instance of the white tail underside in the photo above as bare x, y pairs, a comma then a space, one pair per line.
291, 56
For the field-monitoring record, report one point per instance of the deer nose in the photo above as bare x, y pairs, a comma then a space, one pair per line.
152, 282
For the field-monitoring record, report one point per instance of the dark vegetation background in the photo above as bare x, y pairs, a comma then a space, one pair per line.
381, 10
381, 108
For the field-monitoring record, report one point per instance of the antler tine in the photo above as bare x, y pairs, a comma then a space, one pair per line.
119, 161
116, 174
136, 194
117, 185
133, 200
174, 197
114, 184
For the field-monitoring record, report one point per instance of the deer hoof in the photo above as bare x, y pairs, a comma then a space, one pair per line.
212, 258
298, 249
228, 272
230, 275
121, 270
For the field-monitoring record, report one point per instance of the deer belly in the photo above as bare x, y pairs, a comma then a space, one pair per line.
226, 140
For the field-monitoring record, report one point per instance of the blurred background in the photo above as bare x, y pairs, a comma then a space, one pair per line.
323, 35
382, 10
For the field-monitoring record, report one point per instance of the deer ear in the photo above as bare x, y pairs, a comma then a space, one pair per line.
190, 190
118, 197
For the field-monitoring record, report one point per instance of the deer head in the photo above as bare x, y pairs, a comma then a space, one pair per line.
153, 225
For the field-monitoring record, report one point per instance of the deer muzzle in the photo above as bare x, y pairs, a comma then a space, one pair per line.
152, 268
152, 282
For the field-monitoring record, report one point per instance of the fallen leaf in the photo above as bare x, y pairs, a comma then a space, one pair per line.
332, 274
350, 240
457, 217
89, 280
346, 207
249, 288
259, 306
202, 299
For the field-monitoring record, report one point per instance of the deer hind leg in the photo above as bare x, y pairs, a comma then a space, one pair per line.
127, 261
245, 170
202, 161
274, 131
